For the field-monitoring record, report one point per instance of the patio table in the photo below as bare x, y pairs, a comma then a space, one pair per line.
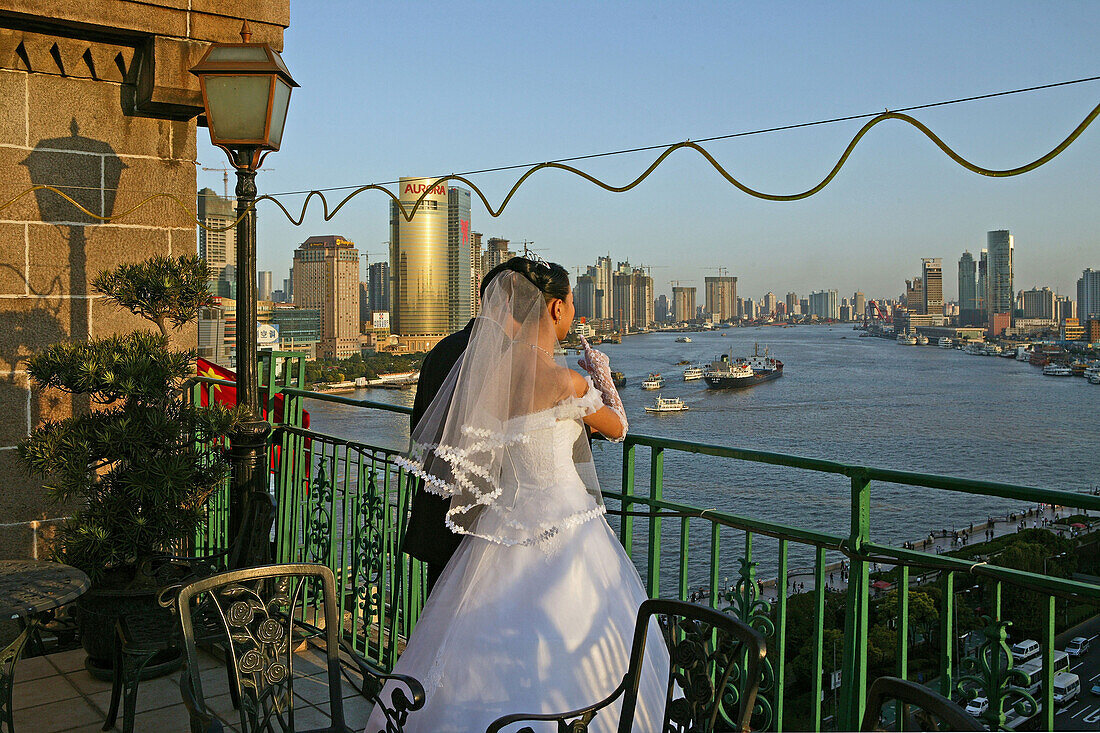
29, 590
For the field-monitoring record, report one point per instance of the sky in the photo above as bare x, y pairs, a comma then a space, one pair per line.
391, 89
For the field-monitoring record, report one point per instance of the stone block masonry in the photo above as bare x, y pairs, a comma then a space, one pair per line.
97, 99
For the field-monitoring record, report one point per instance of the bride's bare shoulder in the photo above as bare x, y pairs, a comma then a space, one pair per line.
579, 383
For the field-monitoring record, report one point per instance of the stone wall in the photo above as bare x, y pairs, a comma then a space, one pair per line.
96, 99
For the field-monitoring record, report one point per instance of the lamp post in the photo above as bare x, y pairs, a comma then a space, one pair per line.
246, 93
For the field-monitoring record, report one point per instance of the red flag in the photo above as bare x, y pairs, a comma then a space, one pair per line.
227, 395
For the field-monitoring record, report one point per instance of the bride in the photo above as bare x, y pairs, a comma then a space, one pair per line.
535, 611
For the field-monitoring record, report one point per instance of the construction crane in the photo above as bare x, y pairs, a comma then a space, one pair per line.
225, 177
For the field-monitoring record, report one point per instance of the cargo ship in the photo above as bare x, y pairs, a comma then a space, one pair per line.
729, 373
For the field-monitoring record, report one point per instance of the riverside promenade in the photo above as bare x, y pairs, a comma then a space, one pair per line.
937, 541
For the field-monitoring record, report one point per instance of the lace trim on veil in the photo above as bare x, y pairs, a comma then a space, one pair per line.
463, 465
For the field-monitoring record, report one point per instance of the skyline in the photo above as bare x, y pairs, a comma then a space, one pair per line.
897, 199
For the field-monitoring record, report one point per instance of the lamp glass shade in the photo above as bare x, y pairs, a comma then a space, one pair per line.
280, 101
237, 107
237, 52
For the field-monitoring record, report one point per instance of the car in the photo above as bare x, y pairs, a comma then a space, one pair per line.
1095, 689
977, 706
1025, 650
1077, 646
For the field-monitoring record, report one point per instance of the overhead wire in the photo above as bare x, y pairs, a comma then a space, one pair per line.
668, 149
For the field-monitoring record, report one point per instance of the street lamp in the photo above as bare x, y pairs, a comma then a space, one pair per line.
245, 92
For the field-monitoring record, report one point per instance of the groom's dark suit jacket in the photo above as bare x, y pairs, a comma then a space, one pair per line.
427, 537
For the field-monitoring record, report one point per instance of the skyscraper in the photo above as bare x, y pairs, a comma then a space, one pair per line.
825, 304
642, 292
859, 305
496, 252
982, 290
968, 290
459, 258
218, 248
721, 297
999, 274
914, 295
770, 301
475, 271
683, 303
420, 265
326, 277
378, 279
1088, 295
584, 297
932, 275
660, 309
622, 285
604, 295
263, 285
793, 306
1039, 303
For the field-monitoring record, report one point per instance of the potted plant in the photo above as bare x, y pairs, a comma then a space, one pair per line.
137, 468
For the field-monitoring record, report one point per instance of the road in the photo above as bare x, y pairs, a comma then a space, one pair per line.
1083, 713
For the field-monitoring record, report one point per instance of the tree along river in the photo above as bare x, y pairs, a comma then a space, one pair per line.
867, 401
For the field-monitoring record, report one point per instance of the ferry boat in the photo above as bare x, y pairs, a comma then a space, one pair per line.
684, 340
727, 373
906, 340
1057, 370
693, 372
666, 404
653, 381
922, 340
1092, 370
618, 378
1078, 367
944, 343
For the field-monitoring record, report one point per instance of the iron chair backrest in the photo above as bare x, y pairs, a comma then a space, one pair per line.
933, 706
708, 650
257, 609
716, 664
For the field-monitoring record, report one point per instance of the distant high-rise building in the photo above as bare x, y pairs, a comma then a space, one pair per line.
288, 286
914, 295
218, 248
859, 305
604, 295
364, 302
326, 274
969, 313
475, 271
825, 304
721, 297
584, 297
982, 288
496, 252
1039, 303
660, 309
420, 263
378, 282
793, 308
932, 276
770, 301
683, 303
1088, 295
642, 292
263, 285
1065, 308
622, 283
460, 258
748, 308
999, 275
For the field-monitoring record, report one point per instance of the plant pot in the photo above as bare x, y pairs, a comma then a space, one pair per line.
99, 610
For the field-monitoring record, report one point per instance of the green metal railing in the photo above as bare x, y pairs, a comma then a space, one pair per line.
344, 503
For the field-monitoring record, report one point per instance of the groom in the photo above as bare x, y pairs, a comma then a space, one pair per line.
427, 537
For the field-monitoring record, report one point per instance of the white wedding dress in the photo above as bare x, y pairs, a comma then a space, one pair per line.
538, 628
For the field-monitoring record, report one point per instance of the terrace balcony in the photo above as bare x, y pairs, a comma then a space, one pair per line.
917, 612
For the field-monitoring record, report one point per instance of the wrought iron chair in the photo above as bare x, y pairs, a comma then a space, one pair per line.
139, 640
933, 710
258, 610
716, 666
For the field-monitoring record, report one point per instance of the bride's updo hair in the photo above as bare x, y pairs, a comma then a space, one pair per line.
550, 278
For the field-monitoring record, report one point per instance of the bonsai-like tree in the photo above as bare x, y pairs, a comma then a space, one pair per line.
140, 466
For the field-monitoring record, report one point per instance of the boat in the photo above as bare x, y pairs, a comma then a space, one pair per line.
1023, 353
693, 372
1078, 367
1057, 370
1094, 379
906, 340
653, 381
922, 340
944, 342
618, 378
975, 348
991, 350
684, 340
728, 373
666, 404
1093, 370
